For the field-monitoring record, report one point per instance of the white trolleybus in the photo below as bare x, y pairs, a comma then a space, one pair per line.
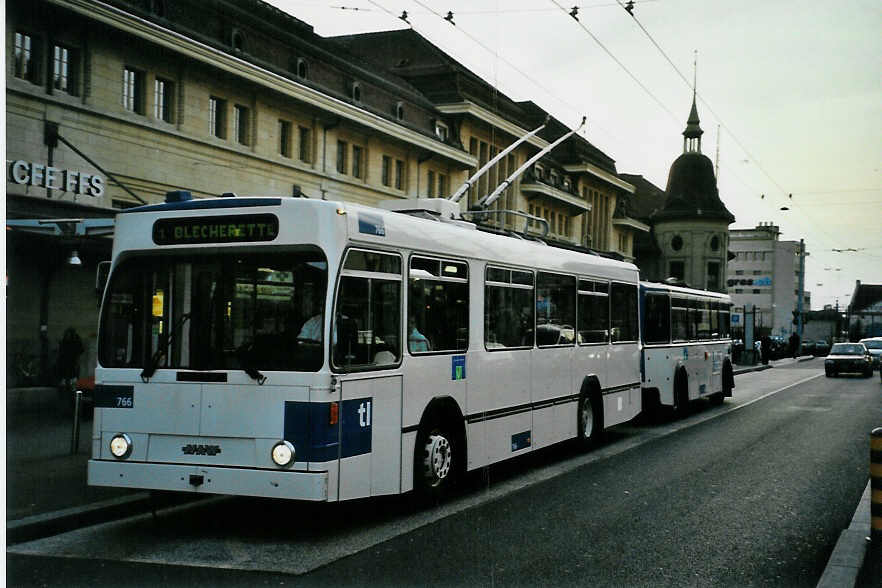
687, 349
316, 350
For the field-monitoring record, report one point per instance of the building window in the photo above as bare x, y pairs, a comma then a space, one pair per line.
677, 243
162, 99
430, 184
241, 125
217, 117
342, 152
399, 174
305, 145
237, 40
356, 92
739, 272
133, 90
756, 291
399, 111
357, 161
63, 64
302, 69
713, 275
284, 138
386, 172
441, 130
25, 57
677, 270
442, 186
715, 243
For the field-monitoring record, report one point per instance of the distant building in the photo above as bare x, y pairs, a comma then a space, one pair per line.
689, 223
865, 311
765, 273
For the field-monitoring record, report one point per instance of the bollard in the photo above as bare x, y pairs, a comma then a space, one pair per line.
75, 434
876, 486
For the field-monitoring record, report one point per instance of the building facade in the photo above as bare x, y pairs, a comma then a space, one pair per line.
765, 274
112, 104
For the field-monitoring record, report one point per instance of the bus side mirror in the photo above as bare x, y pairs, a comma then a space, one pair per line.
101, 275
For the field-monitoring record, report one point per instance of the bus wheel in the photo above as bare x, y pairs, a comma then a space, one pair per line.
435, 462
590, 421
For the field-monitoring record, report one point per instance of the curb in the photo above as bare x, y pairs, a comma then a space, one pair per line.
847, 558
62, 521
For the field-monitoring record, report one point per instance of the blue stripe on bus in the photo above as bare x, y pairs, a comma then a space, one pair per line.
306, 426
205, 204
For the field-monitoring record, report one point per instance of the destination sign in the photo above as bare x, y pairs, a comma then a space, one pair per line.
215, 229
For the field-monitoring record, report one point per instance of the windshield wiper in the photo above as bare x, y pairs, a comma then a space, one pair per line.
244, 353
150, 369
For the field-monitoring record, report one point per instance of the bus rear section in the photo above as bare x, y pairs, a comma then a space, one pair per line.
687, 349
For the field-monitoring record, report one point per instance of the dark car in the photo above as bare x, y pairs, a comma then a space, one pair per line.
848, 357
874, 346
822, 348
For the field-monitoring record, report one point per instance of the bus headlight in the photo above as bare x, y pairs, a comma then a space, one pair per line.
121, 446
283, 453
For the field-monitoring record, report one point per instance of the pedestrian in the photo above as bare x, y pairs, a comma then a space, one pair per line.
765, 348
794, 344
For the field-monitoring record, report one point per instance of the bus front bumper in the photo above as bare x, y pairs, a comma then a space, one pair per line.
209, 480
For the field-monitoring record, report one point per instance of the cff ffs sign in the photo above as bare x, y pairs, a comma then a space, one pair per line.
29, 173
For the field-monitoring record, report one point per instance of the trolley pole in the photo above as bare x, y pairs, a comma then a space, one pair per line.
801, 290
75, 433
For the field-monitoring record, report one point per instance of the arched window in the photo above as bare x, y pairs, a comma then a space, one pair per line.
677, 243
237, 40
302, 69
399, 110
715, 243
356, 92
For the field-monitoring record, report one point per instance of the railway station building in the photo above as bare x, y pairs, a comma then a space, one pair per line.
112, 104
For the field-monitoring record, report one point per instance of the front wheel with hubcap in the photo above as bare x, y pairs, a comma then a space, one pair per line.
435, 463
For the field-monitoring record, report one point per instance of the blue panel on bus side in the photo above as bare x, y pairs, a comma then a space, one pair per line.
371, 224
458, 367
356, 418
520, 440
307, 428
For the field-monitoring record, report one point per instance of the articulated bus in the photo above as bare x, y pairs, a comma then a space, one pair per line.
326, 351
687, 348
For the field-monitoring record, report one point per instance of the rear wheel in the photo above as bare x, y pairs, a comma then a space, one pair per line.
590, 421
681, 393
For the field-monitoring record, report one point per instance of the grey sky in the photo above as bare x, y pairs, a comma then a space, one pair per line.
795, 85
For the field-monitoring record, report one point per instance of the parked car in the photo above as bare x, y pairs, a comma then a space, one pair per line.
807, 347
848, 357
822, 348
874, 345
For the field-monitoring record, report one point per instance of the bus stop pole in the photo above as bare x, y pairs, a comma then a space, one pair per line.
75, 434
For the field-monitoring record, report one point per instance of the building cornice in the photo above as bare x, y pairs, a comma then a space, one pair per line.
202, 53
481, 113
588, 168
559, 195
631, 223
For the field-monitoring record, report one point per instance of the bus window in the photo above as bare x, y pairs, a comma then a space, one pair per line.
656, 319
555, 309
593, 311
508, 309
623, 313
725, 309
367, 316
715, 320
679, 319
703, 328
437, 306
692, 306
230, 311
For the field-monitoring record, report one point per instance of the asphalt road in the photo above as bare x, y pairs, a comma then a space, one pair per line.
751, 493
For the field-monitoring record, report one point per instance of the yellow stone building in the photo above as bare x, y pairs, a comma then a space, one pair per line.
112, 104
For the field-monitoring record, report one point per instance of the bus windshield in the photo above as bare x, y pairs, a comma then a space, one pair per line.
227, 310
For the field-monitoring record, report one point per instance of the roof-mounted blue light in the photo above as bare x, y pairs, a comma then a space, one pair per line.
178, 196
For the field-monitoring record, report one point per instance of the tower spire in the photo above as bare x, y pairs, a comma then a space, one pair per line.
693, 132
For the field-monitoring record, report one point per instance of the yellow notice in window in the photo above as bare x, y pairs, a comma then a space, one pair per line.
158, 298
